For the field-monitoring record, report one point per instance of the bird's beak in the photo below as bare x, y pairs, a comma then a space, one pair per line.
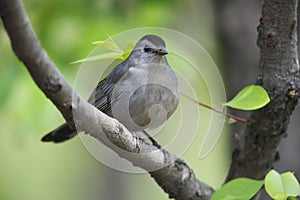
162, 52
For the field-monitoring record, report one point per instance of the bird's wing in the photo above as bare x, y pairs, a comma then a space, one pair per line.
101, 96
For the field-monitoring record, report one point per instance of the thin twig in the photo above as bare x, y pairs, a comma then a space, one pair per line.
238, 119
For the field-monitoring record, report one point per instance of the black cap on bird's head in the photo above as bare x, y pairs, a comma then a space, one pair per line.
151, 47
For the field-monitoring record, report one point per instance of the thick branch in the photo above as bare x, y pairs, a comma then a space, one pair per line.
257, 145
172, 174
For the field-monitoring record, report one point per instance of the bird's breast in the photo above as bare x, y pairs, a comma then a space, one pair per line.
145, 96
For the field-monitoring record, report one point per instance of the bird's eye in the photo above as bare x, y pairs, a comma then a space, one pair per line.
148, 49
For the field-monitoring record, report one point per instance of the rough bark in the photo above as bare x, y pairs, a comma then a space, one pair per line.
237, 20
173, 175
257, 145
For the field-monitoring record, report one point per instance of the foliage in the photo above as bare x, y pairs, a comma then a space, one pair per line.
278, 186
281, 186
251, 97
116, 51
238, 189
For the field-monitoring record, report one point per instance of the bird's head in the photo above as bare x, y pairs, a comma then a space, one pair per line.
150, 49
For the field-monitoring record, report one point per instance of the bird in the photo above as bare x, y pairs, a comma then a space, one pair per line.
141, 92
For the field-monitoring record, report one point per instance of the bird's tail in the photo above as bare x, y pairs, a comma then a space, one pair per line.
61, 134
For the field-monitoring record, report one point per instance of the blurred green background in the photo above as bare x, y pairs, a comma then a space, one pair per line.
30, 169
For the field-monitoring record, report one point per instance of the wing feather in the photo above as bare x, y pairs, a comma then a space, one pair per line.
101, 96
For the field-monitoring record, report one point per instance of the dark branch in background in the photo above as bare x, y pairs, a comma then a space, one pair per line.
173, 175
257, 145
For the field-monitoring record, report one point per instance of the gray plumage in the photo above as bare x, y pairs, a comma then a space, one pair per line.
141, 92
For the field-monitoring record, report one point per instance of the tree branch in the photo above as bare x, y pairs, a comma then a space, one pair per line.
257, 145
171, 173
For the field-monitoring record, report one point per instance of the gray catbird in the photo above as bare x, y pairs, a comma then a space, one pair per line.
141, 92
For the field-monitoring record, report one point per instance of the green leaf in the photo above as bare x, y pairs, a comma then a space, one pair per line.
293, 198
291, 184
273, 185
105, 56
238, 189
110, 45
128, 49
251, 97
281, 186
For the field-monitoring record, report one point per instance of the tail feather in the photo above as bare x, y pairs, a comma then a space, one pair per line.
61, 134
